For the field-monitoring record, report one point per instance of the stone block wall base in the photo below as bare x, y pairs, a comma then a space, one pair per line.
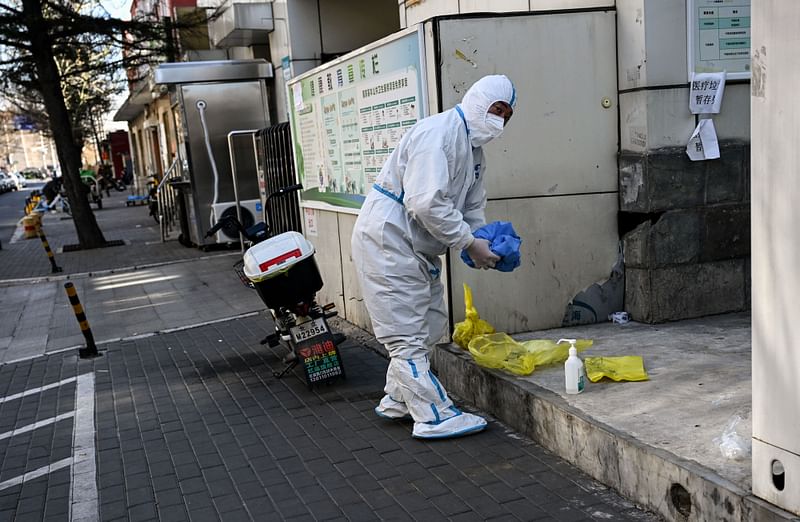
655, 295
665, 179
699, 235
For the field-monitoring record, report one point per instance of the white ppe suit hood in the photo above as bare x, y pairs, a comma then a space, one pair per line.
484, 127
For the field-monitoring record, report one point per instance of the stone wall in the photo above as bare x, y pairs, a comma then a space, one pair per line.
689, 255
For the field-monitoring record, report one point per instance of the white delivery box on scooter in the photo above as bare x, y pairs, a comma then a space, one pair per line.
283, 271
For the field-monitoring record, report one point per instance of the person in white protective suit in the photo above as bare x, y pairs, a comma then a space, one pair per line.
428, 197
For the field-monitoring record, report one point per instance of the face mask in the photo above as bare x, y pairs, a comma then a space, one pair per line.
495, 124
491, 128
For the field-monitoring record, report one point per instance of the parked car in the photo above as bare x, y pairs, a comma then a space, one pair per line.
34, 174
6, 184
18, 180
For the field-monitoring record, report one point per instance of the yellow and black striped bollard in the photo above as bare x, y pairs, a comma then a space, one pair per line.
55, 268
91, 348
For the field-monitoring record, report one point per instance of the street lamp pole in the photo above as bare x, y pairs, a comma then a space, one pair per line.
7, 156
43, 150
24, 148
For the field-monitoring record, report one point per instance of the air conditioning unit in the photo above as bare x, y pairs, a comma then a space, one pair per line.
252, 213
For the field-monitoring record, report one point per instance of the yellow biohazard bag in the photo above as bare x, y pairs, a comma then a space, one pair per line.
625, 368
500, 351
472, 325
546, 352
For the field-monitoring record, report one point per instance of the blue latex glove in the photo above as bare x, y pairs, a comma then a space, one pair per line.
504, 242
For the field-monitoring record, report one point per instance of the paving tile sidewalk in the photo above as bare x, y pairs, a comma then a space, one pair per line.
192, 425
39, 318
26, 258
144, 286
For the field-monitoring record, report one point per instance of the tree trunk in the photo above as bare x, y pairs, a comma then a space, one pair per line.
69, 152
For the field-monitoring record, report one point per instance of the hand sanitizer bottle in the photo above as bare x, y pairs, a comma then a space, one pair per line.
573, 370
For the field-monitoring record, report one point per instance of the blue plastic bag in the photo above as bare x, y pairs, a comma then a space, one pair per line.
504, 242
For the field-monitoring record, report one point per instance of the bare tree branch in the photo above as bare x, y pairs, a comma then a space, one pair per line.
61, 63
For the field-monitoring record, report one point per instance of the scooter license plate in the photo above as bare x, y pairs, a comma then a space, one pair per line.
308, 330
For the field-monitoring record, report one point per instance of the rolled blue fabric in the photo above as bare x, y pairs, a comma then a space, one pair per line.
504, 242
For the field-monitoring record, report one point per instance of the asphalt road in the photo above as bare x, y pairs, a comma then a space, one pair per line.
11, 209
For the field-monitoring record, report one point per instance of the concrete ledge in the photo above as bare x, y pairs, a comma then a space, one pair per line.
649, 476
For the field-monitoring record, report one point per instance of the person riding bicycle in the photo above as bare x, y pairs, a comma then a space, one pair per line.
51, 189
51, 192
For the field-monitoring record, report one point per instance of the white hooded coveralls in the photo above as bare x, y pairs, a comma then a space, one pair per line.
428, 197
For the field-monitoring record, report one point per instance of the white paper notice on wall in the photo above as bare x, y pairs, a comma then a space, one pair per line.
703, 144
705, 92
311, 221
297, 91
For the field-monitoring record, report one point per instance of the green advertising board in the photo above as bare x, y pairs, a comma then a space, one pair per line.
349, 115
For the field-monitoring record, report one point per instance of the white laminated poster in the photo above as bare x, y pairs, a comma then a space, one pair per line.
311, 222
705, 92
703, 144
297, 91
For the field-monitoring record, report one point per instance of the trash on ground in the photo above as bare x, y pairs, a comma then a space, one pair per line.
731, 444
619, 317
623, 368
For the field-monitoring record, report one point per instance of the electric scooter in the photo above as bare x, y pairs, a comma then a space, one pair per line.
282, 270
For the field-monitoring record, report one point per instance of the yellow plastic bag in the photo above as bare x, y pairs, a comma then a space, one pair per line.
625, 368
501, 351
549, 352
472, 325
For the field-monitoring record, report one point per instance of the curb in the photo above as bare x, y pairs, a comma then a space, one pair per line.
675, 488
138, 336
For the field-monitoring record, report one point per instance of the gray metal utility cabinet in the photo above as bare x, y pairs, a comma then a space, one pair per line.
211, 100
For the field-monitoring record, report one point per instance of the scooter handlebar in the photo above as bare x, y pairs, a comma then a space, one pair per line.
282, 192
218, 225
290, 188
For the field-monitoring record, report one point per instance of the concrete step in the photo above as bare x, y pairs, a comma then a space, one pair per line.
650, 441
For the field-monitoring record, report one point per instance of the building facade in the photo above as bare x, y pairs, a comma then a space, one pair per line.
667, 238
